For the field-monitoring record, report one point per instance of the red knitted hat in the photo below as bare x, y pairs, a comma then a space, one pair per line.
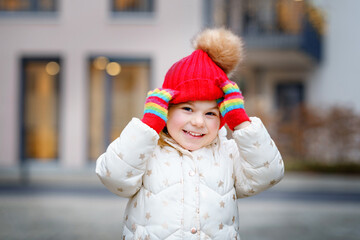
218, 52
195, 77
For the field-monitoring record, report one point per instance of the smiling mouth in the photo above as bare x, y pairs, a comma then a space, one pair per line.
193, 134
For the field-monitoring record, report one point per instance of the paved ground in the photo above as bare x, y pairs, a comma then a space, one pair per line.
63, 205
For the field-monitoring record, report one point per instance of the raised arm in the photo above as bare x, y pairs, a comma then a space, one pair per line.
123, 164
259, 164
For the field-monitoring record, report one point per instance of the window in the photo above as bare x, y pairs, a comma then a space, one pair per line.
28, 6
40, 108
289, 97
118, 90
257, 17
133, 6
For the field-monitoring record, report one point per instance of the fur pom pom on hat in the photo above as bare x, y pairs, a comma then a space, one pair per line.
222, 46
217, 53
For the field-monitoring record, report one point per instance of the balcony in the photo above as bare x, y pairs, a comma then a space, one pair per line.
289, 31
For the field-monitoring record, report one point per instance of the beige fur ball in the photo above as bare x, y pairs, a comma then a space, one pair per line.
222, 46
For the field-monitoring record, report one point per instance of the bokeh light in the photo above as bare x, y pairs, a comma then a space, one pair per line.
113, 68
52, 68
101, 62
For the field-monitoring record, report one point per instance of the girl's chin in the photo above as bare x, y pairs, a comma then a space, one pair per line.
193, 144
192, 147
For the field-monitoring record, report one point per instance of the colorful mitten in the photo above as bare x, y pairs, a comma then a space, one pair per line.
156, 108
232, 105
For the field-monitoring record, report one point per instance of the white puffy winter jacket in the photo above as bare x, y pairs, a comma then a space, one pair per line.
178, 194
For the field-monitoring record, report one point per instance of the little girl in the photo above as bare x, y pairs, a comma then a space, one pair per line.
181, 174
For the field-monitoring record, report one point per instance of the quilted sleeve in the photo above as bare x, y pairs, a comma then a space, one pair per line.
258, 165
123, 164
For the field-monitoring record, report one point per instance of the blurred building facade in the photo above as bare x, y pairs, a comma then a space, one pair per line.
73, 73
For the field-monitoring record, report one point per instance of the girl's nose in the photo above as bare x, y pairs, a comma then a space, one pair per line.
197, 120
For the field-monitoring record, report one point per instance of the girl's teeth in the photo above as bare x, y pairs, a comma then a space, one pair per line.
195, 134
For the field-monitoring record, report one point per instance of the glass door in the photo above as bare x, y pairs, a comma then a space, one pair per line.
117, 93
40, 109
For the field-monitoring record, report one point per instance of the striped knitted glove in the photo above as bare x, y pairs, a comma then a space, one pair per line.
232, 105
156, 108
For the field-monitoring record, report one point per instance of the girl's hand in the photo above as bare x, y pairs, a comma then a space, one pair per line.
156, 108
232, 105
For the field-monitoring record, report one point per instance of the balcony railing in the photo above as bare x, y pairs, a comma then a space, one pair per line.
271, 24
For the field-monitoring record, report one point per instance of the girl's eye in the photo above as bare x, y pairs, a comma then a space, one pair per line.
211, 114
187, 109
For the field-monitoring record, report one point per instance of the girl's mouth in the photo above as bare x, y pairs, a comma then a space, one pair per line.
193, 134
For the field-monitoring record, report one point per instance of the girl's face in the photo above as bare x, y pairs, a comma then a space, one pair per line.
195, 124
